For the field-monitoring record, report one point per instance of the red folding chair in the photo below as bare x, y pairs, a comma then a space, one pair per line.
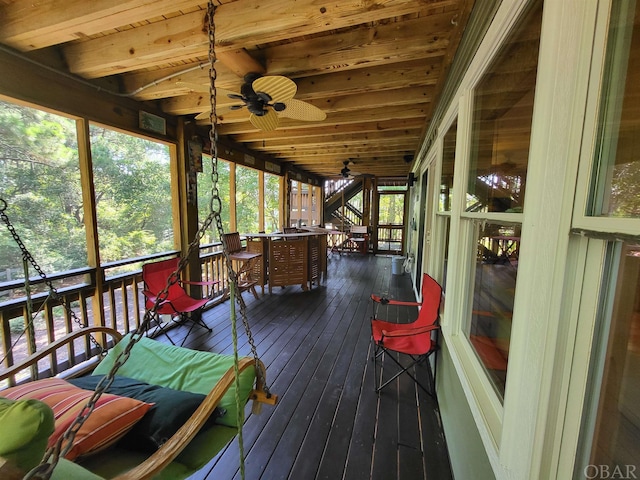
413, 339
155, 276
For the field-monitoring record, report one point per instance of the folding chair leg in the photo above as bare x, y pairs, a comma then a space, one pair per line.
160, 328
402, 369
194, 322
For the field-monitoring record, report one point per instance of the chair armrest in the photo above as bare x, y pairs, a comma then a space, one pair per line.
387, 301
149, 295
407, 332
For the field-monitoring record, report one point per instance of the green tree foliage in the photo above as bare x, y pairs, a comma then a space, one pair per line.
272, 203
133, 195
247, 199
391, 209
625, 190
40, 181
41, 185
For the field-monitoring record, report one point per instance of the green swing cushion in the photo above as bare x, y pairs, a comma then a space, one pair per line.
26, 426
180, 369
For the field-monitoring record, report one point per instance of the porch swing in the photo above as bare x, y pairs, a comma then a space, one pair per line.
223, 381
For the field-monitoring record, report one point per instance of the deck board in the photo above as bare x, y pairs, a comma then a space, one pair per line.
329, 422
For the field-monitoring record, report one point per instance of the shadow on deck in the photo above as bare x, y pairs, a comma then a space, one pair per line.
329, 423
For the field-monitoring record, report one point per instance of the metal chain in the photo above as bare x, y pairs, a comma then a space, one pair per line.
53, 292
215, 202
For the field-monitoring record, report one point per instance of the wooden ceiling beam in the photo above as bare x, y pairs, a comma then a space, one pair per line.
174, 38
302, 131
371, 147
329, 142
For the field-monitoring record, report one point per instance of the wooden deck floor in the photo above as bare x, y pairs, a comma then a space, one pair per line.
329, 422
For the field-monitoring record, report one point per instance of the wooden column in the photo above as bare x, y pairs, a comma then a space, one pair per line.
90, 218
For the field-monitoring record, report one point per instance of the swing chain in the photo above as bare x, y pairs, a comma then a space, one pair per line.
216, 202
26, 256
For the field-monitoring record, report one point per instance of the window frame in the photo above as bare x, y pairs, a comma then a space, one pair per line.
533, 373
595, 240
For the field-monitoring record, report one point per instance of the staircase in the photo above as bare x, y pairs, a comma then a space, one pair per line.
338, 191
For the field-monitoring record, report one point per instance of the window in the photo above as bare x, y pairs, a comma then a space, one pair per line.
613, 425
496, 179
448, 162
503, 109
271, 202
445, 197
494, 286
616, 179
40, 181
132, 181
247, 200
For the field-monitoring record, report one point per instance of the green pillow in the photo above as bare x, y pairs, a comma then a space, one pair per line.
172, 408
26, 426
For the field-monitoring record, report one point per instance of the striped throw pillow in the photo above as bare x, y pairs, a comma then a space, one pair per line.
111, 419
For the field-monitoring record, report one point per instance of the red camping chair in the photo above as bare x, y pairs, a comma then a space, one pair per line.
412, 339
155, 276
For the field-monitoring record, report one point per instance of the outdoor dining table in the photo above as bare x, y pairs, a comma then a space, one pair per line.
290, 258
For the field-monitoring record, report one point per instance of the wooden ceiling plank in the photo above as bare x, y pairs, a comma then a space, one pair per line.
27, 25
423, 37
379, 77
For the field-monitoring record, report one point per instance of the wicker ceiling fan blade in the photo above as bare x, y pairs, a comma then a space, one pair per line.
299, 110
279, 88
267, 122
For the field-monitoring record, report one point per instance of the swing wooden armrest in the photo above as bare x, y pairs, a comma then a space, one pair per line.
88, 364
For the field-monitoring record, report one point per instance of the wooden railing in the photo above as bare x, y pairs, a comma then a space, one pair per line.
76, 306
389, 238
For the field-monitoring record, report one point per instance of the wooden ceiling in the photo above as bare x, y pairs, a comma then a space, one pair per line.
375, 67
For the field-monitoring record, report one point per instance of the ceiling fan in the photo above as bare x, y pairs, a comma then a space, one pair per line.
346, 171
267, 98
